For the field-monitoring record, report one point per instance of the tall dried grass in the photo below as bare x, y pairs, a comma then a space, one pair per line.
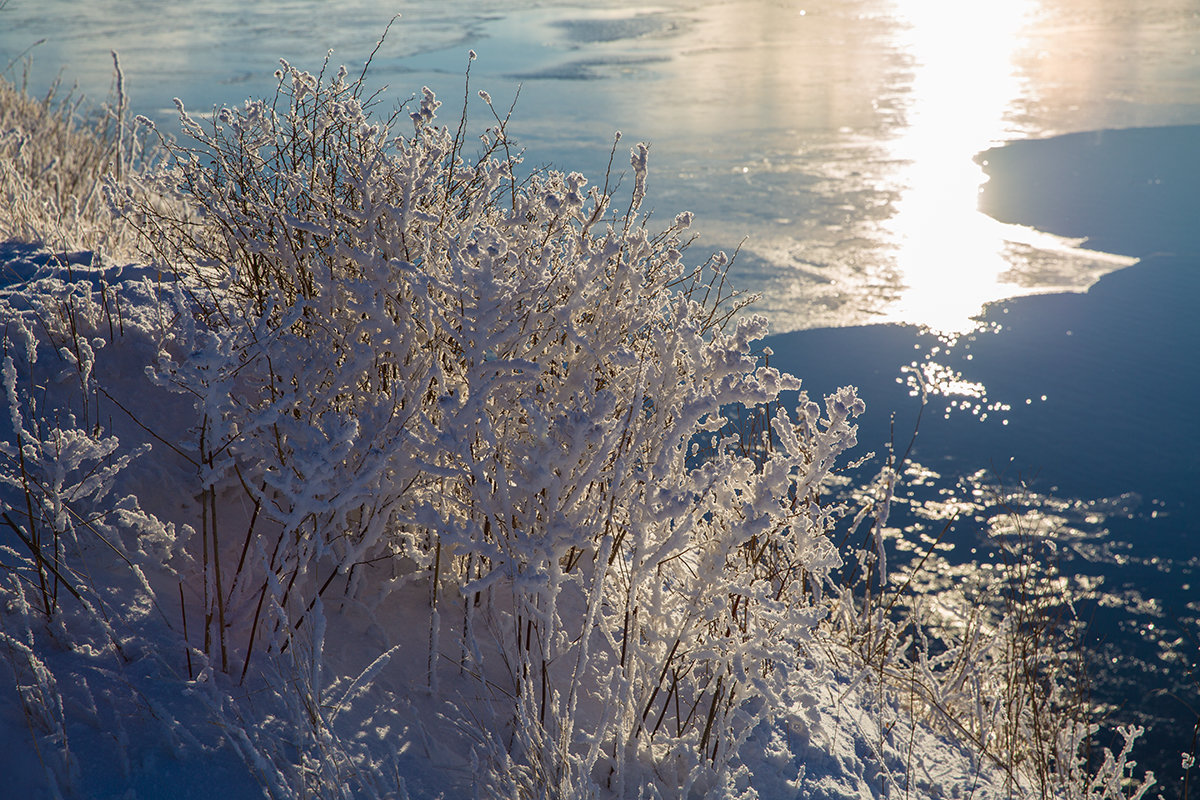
55, 153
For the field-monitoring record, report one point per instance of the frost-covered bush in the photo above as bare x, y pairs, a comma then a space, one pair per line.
499, 388
84, 632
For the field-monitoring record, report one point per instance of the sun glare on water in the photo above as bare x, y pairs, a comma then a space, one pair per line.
952, 258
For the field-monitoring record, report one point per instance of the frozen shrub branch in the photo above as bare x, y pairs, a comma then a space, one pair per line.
405, 355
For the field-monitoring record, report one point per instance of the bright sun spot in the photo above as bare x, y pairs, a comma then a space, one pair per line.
950, 256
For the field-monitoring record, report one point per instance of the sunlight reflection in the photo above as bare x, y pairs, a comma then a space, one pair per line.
951, 257
950, 254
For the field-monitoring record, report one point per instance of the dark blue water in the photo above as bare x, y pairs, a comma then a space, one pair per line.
1072, 417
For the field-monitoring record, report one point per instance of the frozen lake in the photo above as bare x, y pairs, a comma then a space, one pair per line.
843, 144
834, 137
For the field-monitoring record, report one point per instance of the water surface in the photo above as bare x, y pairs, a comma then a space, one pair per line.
834, 138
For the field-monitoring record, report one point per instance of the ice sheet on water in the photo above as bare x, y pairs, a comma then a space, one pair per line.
588, 69
624, 27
